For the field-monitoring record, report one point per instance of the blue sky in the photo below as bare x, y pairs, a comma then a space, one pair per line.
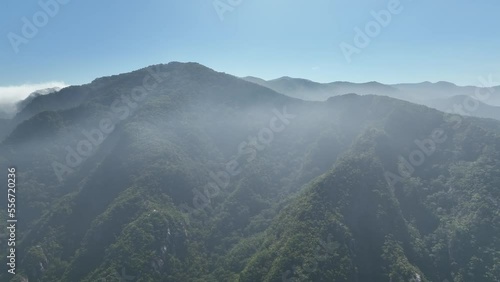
456, 41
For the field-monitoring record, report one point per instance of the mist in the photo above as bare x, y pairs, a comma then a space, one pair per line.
11, 95
201, 164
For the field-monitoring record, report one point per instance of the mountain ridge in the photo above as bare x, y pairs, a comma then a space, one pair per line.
214, 178
425, 93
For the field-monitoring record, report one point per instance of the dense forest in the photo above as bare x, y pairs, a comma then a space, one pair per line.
176, 172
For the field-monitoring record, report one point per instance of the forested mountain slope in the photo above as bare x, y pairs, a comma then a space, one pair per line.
179, 173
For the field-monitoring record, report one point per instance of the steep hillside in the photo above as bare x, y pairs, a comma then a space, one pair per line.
177, 172
465, 105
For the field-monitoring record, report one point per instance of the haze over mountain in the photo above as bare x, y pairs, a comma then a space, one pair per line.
12, 95
176, 172
315, 91
179, 172
442, 95
465, 105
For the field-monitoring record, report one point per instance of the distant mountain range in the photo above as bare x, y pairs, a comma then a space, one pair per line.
442, 95
425, 93
465, 105
315, 91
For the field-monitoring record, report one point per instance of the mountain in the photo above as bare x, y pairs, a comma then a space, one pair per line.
425, 93
4, 114
38, 102
465, 105
441, 90
176, 172
315, 91
9, 109
23, 103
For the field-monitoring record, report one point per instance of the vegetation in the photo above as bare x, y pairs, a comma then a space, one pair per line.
191, 187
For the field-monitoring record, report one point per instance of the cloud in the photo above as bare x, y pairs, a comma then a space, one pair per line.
10, 95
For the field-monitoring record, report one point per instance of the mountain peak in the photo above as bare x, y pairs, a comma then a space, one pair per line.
445, 83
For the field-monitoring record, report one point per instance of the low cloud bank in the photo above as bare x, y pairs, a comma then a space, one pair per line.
10, 95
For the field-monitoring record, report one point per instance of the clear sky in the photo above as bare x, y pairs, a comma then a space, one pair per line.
428, 40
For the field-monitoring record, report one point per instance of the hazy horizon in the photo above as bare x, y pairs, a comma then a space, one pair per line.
248, 141
412, 45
